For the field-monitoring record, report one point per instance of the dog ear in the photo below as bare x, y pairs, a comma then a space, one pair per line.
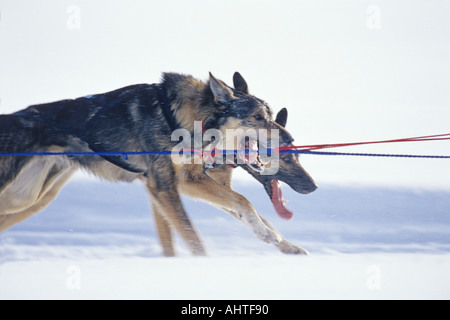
281, 118
239, 83
220, 91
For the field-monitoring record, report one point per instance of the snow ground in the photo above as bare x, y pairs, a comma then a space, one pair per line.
97, 241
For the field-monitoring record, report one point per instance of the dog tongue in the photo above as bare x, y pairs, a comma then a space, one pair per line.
278, 201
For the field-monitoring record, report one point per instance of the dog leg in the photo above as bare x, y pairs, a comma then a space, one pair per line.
164, 232
233, 203
48, 195
237, 205
285, 246
8, 220
168, 203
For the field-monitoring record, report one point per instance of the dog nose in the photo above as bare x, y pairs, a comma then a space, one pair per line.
313, 187
309, 187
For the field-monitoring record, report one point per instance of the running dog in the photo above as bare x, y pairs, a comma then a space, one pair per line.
136, 119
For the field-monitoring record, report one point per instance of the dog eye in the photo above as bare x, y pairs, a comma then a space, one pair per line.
287, 159
258, 117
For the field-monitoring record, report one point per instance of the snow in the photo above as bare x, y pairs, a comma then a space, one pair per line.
97, 241
404, 276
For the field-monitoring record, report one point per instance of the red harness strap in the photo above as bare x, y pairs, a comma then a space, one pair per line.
337, 145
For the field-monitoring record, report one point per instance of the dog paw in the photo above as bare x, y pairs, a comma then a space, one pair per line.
289, 248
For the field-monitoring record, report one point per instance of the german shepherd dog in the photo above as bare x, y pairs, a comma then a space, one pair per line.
139, 118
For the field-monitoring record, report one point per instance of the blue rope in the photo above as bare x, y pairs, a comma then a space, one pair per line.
125, 154
327, 153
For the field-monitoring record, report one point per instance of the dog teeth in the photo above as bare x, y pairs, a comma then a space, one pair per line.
256, 167
251, 158
258, 161
261, 161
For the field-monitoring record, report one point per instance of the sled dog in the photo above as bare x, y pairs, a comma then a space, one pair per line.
43, 145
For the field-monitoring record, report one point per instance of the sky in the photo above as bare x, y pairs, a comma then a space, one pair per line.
348, 70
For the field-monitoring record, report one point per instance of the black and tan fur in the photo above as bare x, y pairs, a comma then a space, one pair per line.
139, 118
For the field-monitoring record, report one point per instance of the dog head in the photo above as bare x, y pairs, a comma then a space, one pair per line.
244, 121
239, 109
235, 106
289, 171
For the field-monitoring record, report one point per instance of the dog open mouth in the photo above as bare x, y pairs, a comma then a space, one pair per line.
248, 152
248, 155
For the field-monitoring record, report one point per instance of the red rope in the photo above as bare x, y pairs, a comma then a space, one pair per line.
338, 145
